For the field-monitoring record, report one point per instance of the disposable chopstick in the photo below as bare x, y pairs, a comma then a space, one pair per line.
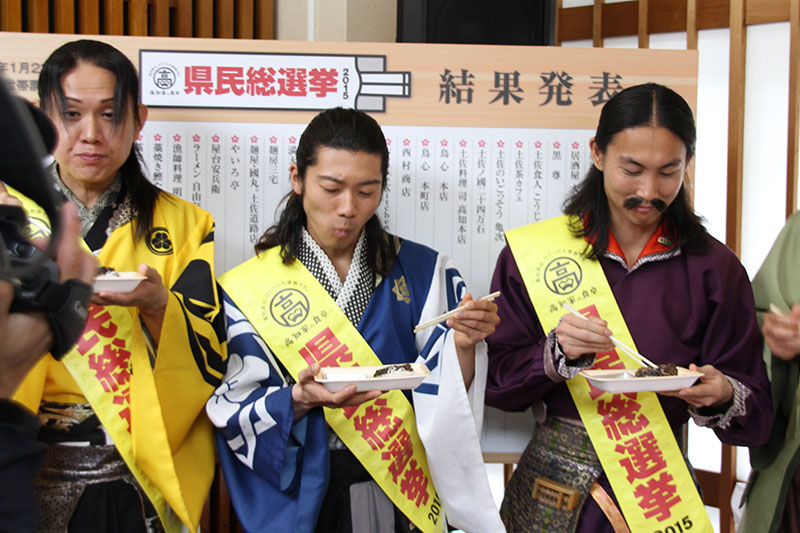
445, 316
775, 309
639, 358
778, 311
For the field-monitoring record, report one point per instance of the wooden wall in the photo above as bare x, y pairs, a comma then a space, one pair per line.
232, 19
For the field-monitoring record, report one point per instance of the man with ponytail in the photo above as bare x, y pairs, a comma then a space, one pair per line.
330, 288
634, 259
129, 447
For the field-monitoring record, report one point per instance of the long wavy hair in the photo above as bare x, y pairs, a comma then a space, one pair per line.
341, 129
649, 104
143, 194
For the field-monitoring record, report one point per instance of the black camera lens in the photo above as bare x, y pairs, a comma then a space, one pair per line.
23, 250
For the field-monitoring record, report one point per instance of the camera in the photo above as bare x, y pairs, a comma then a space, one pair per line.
21, 253
33, 273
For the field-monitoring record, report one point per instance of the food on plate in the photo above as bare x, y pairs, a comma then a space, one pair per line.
107, 271
616, 380
109, 279
404, 376
404, 369
664, 369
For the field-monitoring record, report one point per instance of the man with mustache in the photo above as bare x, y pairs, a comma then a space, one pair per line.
634, 258
635, 201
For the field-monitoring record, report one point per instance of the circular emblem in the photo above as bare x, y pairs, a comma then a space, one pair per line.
289, 307
562, 275
164, 77
159, 242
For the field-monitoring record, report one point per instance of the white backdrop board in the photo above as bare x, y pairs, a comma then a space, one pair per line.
481, 138
456, 190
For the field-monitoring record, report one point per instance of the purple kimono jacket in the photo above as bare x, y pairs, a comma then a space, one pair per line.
680, 308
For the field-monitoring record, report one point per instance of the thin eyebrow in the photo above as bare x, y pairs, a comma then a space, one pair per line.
340, 182
78, 100
673, 163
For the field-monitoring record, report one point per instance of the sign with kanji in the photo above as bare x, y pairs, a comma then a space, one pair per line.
108, 358
268, 81
481, 139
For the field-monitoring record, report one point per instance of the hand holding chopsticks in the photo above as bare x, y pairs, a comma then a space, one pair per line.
782, 331
445, 316
636, 356
777, 310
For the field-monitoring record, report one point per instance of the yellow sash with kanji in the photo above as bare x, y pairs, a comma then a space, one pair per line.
110, 363
629, 431
302, 325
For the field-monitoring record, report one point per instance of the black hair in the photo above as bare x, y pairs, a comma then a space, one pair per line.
649, 104
341, 129
143, 194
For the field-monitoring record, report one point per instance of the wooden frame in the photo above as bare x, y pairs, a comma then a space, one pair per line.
736, 86
794, 108
621, 18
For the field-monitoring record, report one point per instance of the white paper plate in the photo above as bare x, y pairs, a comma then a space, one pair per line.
118, 281
337, 378
623, 380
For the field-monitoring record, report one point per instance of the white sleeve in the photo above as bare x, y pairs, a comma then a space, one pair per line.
452, 414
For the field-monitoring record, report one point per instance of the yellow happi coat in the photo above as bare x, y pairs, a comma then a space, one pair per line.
154, 413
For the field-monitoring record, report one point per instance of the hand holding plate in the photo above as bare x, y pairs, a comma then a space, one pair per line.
307, 393
714, 389
150, 296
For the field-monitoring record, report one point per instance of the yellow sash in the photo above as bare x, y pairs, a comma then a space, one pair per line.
302, 324
629, 431
110, 363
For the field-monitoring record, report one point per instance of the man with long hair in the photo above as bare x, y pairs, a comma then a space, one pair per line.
328, 288
129, 447
634, 258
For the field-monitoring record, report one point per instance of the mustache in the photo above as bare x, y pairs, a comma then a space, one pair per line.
635, 201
